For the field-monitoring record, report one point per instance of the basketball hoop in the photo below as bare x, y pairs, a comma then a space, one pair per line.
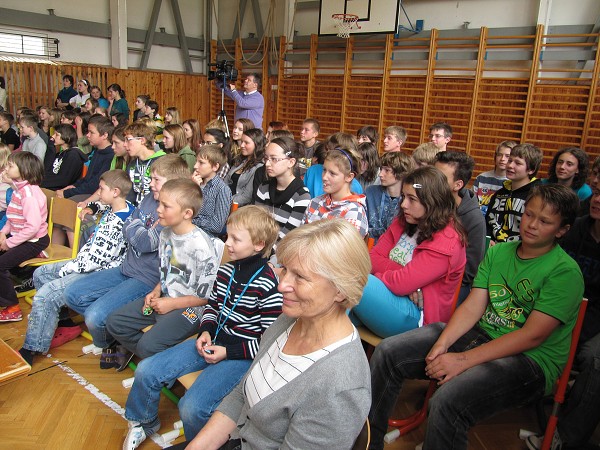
345, 23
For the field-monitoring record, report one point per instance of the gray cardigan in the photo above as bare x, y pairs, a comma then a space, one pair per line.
323, 408
245, 185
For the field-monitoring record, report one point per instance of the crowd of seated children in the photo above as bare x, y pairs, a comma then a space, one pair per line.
487, 183
458, 168
217, 198
570, 167
96, 295
174, 141
189, 259
25, 233
505, 346
284, 195
243, 303
241, 176
393, 138
418, 262
68, 159
383, 199
506, 206
340, 167
104, 250
440, 134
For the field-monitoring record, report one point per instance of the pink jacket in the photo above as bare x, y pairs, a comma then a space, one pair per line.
26, 214
436, 267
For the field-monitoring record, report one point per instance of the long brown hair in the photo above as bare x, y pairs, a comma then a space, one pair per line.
431, 187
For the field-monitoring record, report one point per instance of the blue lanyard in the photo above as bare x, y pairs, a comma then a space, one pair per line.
221, 324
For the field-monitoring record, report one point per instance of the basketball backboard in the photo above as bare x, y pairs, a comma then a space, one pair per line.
374, 16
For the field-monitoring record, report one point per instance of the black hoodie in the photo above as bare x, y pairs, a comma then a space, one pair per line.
65, 169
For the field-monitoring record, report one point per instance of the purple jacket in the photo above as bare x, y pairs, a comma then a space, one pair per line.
248, 106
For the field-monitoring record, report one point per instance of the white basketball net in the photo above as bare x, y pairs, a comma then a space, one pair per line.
344, 23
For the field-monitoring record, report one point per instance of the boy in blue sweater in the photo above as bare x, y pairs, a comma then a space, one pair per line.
98, 294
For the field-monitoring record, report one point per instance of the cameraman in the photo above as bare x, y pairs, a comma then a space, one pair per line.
249, 103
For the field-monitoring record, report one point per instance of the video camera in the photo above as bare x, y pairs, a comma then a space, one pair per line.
223, 70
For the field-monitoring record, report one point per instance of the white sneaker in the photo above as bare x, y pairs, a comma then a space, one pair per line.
535, 442
135, 436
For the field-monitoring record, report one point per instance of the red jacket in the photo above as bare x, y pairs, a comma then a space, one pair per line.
436, 267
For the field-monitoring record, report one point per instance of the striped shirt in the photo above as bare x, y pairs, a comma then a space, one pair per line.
287, 207
26, 214
216, 205
255, 311
275, 369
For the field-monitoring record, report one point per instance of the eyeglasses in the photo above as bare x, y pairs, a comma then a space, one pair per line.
273, 160
137, 138
207, 142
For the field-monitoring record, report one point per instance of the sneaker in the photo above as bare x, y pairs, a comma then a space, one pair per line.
62, 335
11, 316
535, 442
135, 436
108, 358
26, 285
123, 356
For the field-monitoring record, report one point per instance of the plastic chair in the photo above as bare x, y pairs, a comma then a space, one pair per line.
62, 212
563, 381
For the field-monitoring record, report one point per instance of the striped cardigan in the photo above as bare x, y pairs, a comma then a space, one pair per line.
26, 214
255, 311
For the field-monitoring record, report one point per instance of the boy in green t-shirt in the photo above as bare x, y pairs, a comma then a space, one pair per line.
505, 345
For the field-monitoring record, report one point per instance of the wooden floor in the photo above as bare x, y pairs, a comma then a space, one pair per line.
67, 403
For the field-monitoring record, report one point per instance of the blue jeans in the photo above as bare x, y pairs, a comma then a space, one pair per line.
47, 302
199, 402
98, 294
581, 412
474, 395
384, 313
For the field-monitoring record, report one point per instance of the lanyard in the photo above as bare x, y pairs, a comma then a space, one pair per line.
221, 324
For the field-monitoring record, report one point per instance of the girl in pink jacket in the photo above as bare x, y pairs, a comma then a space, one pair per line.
418, 262
25, 234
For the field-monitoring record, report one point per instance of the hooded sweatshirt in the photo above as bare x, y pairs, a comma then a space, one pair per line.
351, 208
66, 169
503, 217
473, 222
288, 206
436, 267
99, 163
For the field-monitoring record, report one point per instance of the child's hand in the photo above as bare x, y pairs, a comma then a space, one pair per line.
84, 212
3, 245
203, 341
149, 297
162, 305
218, 353
60, 193
197, 179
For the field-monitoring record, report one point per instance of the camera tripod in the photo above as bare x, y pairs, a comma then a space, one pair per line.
222, 116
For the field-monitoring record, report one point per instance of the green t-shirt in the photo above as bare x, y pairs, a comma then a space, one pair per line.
551, 283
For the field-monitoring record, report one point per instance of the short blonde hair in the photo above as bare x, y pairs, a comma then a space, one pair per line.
425, 153
171, 167
332, 249
185, 192
260, 225
117, 179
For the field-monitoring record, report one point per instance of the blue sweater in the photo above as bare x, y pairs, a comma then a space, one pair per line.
313, 180
99, 163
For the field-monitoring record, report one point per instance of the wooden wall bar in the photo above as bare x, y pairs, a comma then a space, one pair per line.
37, 83
490, 88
